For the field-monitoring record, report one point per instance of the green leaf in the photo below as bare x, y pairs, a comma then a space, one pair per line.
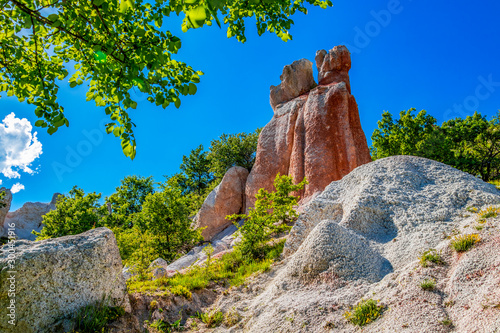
125, 5
39, 123
192, 89
197, 16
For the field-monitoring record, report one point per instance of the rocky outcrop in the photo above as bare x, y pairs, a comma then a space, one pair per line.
54, 278
362, 238
313, 133
226, 199
29, 217
297, 79
7, 200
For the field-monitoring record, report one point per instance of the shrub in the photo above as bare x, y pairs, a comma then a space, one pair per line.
73, 215
488, 212
212, 318
430, 255
464, 243
364, 313
180, 290
272, 214
428, 284
94, 318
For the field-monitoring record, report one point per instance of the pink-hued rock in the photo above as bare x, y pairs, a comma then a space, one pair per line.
316, 135
334, 66
297, 79
226, 199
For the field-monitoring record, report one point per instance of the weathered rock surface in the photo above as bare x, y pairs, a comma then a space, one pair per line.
29, 217
7, 200
56, 277
297, 79
226, 199
316, 134
362, 238
334, 66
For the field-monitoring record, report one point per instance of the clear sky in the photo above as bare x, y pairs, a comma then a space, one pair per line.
441, 56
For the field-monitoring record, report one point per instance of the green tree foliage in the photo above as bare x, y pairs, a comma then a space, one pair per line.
471, 144
73, 215
115, 47
404, 136
165, 215
272, 215
196, 170
231, 150
128, 199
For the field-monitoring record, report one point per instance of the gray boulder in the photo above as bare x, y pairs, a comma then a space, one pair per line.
54, 278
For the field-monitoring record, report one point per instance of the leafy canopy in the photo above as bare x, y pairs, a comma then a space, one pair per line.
233, 150
166, 216
73, 215
471, 144
115, 47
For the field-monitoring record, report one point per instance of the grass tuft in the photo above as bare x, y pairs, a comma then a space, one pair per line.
212, 318
428, 284
464, 243
364, 313
431, 255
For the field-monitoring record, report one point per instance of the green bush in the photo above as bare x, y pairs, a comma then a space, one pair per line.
272, 214
464, 243
212, 318
428, 284
430, 255
364, 313
73, 215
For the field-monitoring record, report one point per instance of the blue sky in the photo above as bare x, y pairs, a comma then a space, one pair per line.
441, 56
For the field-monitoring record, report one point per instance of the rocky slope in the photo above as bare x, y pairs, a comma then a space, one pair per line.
362, 237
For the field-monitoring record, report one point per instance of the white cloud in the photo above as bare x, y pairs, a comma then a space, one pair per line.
16, 188
19, 147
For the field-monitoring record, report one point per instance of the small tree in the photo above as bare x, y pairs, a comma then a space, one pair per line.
127, 201
196, 168
73, 215
166, 216
272, 214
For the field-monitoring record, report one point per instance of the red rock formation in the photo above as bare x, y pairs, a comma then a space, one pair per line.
226, 199
313, 133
